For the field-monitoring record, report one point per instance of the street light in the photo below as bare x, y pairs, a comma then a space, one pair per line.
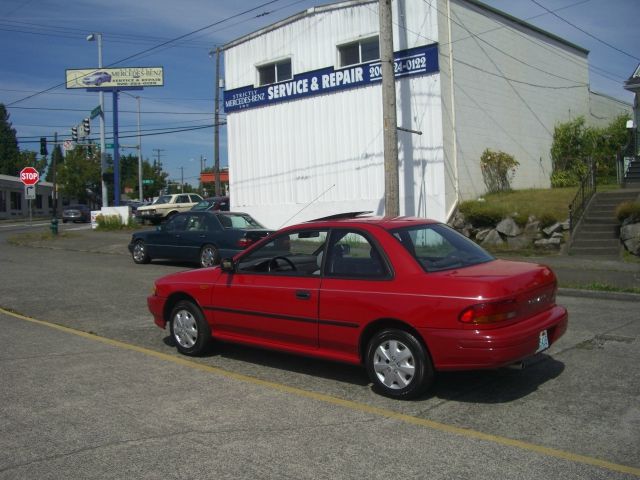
103, 158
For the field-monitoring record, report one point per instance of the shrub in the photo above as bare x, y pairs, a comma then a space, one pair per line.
480, 214
628, 210
113, 222
498, 169
547, 219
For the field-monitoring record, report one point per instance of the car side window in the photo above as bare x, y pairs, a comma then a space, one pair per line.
194, 223
352, 255
294, 253
177, 224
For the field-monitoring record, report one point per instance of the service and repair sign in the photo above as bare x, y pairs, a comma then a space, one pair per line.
414, 61
107, 78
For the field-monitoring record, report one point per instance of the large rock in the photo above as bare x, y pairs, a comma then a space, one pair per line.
493, 239
508, 227
482, 234
556, 227
519, 242
630, 236
532, 227
548, 243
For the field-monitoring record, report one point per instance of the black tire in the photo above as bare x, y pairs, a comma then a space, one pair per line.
189, 329
398, 364
209, 256
64, 221
139, 253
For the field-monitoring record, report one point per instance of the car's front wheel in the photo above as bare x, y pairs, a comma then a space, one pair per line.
189, 329
139, 253
209, 256
398, 364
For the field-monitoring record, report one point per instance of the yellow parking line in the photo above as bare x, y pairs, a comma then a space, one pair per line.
360, 407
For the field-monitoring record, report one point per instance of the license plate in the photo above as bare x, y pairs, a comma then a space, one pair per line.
543, 341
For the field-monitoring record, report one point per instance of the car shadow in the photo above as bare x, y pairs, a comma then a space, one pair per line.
478, 386
314, 367
497, 386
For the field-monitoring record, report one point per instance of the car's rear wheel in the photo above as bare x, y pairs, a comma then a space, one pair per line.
209, 256
189, 329
398, 364
139, 253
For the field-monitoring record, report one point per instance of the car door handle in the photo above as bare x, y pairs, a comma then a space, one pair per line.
303, 294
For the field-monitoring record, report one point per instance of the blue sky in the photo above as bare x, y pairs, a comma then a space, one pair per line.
40, 39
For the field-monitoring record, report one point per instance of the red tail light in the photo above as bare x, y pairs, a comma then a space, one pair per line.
490, 312
244, 242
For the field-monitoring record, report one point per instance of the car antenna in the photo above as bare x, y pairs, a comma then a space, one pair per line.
311, 202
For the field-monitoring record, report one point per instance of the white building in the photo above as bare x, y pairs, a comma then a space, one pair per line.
304, 108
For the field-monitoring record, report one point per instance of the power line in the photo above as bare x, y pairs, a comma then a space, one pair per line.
156, 47
585, 32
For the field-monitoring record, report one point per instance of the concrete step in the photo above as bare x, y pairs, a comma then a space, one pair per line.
594, 251
610, 244
605, 235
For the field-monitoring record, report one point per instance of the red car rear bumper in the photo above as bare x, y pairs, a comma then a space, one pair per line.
493, 348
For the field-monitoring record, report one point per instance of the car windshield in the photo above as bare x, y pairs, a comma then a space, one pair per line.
437, 247
203, 205
163, 199
238, 220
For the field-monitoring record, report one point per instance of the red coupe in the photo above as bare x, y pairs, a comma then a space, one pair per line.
405, 297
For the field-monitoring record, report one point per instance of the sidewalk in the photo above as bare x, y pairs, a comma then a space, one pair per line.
574, 272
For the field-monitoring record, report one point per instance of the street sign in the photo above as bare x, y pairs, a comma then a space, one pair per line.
95, 112
108, 145
29, 176
29, 192
147, 181
68, 145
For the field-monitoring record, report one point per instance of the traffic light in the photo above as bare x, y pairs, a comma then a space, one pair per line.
74, 134
43, 145
86, 126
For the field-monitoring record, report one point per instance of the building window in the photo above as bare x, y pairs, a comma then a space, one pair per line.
274, 72
362, 51
39, 201
16, 201
3, 201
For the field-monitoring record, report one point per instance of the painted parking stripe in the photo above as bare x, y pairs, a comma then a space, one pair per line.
356, 406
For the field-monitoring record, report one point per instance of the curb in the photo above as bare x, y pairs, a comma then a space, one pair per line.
623, 296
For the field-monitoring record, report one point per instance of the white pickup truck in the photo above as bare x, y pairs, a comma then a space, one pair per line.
167, 205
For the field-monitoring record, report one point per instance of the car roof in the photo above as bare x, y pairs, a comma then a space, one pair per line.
354, 219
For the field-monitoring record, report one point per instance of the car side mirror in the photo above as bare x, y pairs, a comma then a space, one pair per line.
228, 265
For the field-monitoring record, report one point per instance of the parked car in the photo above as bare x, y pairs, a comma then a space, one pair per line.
96, 78
167, 205
405, 297
213, 203
76, 213
203, 237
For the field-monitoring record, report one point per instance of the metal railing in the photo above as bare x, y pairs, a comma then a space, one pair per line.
586, 190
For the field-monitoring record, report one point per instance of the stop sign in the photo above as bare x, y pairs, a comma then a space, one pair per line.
29, 176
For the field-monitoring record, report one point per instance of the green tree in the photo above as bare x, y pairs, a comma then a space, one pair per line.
79, 175
57, 159
30, 159
9, 151
575, 144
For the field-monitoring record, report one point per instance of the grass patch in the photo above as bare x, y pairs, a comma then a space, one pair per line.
27, 238
543, 203
603, 287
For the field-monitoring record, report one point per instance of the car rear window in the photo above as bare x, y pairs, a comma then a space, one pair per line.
238, 220
438, 247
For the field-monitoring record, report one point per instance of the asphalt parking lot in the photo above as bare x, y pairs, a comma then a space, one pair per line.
92, 389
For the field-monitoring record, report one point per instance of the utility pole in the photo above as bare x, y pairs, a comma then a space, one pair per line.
181, 179
389, 116
103, 156
158, 162
54, 220
139, 154
217, 123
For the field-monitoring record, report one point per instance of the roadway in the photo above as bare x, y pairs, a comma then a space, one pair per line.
92, 389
